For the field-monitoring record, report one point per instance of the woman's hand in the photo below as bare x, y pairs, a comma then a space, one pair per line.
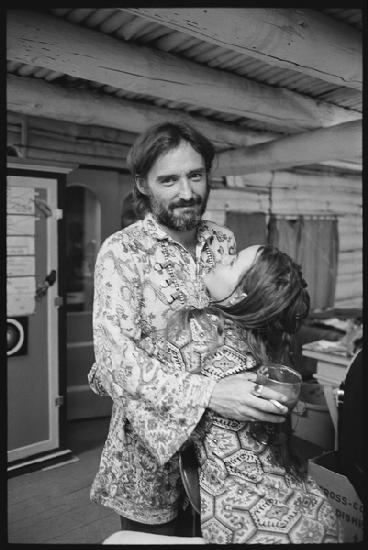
233, 397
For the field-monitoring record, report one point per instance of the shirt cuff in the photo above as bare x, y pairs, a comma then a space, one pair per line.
202, 393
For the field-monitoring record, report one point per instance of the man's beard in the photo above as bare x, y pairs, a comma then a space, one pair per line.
183, 221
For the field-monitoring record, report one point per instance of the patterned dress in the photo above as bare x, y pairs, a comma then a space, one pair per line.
245, 496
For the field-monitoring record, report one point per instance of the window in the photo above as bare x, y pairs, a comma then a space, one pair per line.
83, 239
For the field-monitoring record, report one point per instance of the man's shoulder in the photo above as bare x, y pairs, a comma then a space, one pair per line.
128, 237
134, 228
218, 230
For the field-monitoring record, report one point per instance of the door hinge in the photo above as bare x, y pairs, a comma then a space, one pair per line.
58, 213
59, 301
59, 401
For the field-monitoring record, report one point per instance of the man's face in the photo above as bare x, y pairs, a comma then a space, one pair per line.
177, 188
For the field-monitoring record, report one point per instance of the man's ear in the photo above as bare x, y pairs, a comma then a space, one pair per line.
141, 185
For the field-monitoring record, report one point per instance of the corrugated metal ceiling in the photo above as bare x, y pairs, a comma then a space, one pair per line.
131, 28
353, 17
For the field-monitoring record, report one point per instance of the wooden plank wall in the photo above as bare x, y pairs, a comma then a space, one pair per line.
282, 193
288, 194
56, 141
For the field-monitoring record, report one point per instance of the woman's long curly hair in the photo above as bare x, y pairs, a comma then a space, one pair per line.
275, 305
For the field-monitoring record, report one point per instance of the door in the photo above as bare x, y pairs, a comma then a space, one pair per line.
92, 213
33, 362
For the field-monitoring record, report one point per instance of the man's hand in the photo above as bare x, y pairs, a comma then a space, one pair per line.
233, 398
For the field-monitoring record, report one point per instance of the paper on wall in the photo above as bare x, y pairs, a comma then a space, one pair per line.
20, 225
20, 200
19, 246
20, 296
20, 266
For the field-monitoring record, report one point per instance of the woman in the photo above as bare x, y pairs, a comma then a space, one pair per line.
253, 487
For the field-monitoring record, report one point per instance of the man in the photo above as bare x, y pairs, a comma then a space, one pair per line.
143, 275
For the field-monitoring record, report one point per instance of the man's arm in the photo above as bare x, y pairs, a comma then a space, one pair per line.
162, 406
233, 397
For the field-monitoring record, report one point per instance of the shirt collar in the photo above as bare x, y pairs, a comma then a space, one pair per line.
204, 234
154, 229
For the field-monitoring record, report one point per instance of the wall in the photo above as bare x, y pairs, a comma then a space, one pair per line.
109, 187
312, 194
55, 141
281, 193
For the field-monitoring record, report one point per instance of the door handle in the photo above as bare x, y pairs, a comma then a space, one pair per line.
42, 288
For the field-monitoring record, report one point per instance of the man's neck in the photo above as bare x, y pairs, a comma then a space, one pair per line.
188, 239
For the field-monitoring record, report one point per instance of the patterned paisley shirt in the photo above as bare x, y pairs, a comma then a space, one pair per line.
155, 409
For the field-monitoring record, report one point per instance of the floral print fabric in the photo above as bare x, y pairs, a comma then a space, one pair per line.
155, 408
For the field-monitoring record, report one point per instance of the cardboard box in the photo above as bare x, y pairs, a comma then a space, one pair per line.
340, 493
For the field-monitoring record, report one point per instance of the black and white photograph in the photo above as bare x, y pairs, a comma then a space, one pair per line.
184, 275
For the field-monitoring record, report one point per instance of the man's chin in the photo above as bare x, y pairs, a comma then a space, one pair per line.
184, 222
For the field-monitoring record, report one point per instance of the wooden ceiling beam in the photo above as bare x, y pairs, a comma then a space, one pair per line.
45, 41
302, 40
35, 97
27, 96
343, 141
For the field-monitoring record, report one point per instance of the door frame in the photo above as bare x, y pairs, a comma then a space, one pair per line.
56, 331
108, 187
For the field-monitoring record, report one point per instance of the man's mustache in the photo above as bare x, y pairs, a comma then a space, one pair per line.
182, 203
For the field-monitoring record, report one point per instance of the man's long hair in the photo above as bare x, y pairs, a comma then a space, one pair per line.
159, 140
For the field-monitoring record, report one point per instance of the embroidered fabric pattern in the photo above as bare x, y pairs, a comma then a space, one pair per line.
155, 406
173, 280
245, 496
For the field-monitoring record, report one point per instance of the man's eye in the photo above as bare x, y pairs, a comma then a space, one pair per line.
196, 176
168, 181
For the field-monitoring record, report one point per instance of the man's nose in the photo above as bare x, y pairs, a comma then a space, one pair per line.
185, 189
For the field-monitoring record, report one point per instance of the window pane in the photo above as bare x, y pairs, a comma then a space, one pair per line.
83, 239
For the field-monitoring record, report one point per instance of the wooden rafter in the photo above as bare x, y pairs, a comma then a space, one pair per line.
47, 42
343, 141
38, 98
298, 39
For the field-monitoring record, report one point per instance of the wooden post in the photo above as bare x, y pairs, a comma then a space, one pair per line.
340, 141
